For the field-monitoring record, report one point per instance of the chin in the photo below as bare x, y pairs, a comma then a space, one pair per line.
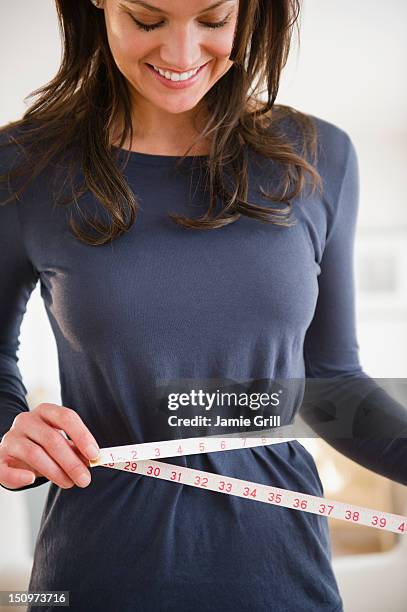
178, 106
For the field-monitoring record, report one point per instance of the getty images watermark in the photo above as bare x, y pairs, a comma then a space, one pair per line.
219, 399
344, 406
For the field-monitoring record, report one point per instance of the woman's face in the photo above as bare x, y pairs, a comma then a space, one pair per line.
176, 36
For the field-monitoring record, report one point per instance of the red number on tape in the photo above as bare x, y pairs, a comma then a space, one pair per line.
225, 486
352, 516
379, 522
201, 481
323, 508
300, 503
155, 471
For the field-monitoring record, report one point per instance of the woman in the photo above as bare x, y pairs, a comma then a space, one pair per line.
135, 298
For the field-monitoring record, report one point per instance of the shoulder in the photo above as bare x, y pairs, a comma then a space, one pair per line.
334, 143
330, 134
25, 162
9, 150
17, 159
21, 141
328, 147
10, 159
336, 155
26, 187
336, 161
336, 149
338, 166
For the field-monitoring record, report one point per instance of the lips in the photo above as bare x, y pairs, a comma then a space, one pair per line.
178, 71
179, 83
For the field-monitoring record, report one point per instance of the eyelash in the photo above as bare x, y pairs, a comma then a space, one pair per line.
147, 28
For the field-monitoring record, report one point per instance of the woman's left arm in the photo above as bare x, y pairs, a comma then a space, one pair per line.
370, 426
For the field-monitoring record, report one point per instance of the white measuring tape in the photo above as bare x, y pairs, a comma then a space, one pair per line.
138, 459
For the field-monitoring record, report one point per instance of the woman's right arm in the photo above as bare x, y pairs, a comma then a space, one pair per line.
31, 441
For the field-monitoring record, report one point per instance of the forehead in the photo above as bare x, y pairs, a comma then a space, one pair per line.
178, 6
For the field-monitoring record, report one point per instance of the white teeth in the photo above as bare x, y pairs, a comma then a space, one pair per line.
176, 76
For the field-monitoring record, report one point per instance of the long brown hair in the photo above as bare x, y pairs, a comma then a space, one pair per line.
78, 108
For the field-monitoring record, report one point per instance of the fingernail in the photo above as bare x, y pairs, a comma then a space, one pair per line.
92, 451
83, 480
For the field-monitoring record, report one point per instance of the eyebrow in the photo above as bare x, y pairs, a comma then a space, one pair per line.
156, 9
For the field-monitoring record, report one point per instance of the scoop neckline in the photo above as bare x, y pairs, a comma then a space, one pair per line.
153, 159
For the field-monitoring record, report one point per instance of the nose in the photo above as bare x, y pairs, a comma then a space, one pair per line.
182, 51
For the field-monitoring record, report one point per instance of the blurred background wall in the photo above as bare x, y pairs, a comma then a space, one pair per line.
347, 70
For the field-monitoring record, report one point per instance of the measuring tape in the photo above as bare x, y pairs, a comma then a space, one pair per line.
139, 459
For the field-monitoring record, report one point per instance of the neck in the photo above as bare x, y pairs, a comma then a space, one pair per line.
161, 133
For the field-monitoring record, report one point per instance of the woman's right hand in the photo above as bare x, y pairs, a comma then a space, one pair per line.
35, 446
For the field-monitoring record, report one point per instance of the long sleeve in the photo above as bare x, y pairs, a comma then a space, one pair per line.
370, 427
17, 281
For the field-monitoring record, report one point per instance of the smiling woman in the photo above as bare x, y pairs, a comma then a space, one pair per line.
108, 97
190, 50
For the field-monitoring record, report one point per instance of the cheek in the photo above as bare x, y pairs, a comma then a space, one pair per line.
221, 51
221, 44
126, 47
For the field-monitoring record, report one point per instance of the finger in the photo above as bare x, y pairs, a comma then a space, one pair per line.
57, 447
12, 462
78, 452
35, 456
15, 478
70, 422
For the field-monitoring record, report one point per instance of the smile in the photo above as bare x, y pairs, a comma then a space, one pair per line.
177, 80
177, 76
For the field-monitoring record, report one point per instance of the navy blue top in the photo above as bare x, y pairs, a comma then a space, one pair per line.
250, 300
